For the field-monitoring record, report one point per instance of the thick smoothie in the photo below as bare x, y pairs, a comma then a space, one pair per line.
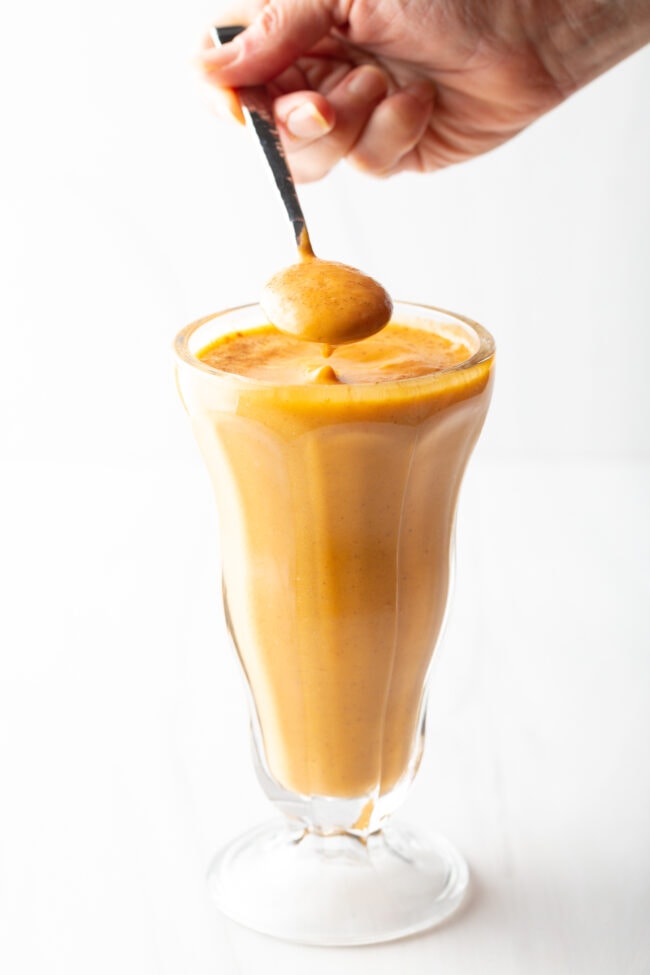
337, 481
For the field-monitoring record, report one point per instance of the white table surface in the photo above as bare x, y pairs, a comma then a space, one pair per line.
124, 747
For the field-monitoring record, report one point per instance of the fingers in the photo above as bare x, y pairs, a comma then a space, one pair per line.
373, 129
350, 107
394, 129
357, 120
279, 34
328, 107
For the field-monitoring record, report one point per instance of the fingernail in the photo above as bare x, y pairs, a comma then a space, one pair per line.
233, 106
367, 83
223, 102
306, 122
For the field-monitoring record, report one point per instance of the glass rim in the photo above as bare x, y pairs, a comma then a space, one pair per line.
484, 352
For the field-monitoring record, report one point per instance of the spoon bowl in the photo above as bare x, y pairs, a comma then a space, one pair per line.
326, 302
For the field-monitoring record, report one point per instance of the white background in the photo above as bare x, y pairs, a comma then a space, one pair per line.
127, 211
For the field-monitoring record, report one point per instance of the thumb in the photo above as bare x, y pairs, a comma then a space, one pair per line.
282, 32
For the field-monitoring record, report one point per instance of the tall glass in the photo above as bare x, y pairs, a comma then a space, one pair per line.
336, 507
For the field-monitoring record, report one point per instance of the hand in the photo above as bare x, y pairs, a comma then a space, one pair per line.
403, 84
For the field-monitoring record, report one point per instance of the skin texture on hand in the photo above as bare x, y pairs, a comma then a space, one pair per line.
417, 85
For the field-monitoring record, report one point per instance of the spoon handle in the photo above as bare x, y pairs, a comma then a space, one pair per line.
257, 106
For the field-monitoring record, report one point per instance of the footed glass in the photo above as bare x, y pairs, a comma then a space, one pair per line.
336, 506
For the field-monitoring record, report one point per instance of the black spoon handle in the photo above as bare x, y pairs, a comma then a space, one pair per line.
257, 106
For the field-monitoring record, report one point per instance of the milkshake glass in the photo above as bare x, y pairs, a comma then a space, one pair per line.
336, 507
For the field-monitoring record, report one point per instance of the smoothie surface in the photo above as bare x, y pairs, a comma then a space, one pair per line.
396, 352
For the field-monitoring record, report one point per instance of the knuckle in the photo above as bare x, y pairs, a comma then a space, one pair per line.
271, 20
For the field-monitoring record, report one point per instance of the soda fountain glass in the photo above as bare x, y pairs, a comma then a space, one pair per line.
336, 510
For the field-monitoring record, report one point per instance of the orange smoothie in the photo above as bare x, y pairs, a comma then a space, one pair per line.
337, 479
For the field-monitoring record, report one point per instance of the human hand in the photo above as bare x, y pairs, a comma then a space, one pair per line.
400, 84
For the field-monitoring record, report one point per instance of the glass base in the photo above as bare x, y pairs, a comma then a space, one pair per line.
285, 881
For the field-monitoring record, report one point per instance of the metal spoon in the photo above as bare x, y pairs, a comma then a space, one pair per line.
315, 300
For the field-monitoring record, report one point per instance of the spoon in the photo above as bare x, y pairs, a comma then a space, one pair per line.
314, 300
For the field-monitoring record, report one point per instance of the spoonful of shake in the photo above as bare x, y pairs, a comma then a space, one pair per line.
314, 300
